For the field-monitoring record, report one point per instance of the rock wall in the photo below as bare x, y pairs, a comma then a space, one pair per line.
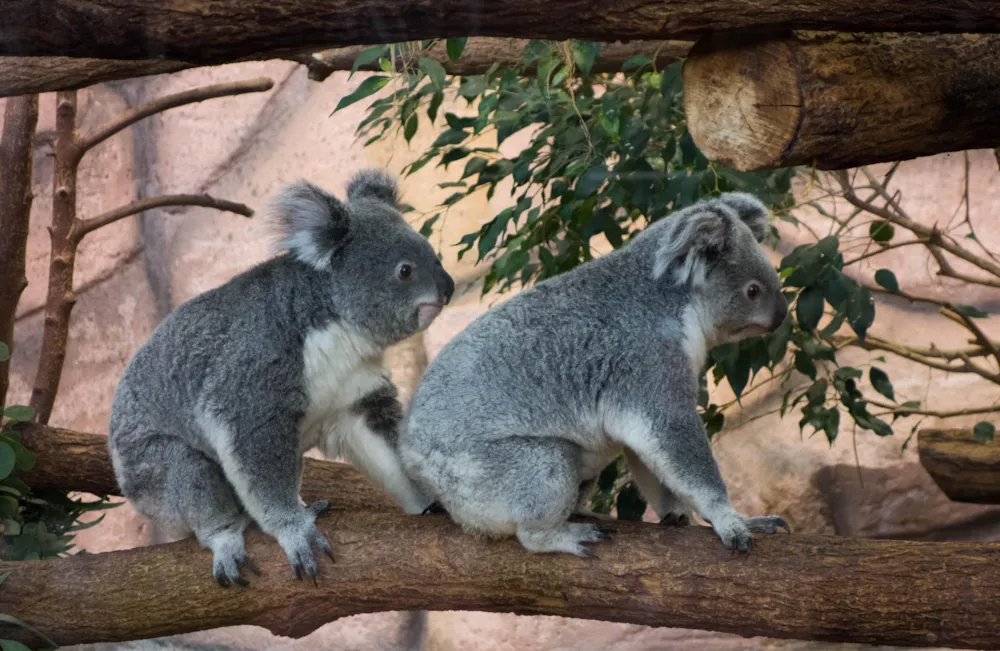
131, 274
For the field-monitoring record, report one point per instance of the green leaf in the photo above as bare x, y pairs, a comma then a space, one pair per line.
887, 279
474, 166
25, 458
880, 380
367, 57
455, 47
631, 505
434, 70
427, 228
805, 365
971, 312
10, 619
19, 413
809, 308
881, 232
7, 460
410, 128
4, 352
606, 480
860, 311
432, 108
584, 55
591, 180
450, 137
636, 61
12, 645
671, 82
366, 88
9, 507
983, 431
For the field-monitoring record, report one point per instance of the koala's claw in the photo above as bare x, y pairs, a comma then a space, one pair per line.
675, 520
767, 524
434, 508
604, 532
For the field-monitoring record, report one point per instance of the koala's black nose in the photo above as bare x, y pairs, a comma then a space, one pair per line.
446, 286
780, 312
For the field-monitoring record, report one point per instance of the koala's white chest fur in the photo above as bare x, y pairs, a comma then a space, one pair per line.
340, 366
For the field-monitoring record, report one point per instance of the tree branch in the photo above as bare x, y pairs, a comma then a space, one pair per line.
19, 75
17, 147
935, 413
792, 586
192, 96
87, 225
947, 270
965, 469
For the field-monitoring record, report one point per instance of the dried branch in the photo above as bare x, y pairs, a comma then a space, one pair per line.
87, 225
947, 270
17, 147
935, 413
193, 96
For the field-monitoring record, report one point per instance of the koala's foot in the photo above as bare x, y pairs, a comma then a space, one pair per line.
737, 532
229, 554
298, 538
568, 537
676, 519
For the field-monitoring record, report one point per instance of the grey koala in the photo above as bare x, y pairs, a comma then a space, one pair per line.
520, 412
212, 416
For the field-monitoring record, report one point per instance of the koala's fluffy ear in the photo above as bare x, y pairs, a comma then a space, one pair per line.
690, 240
375, 184
313, 222
749, 209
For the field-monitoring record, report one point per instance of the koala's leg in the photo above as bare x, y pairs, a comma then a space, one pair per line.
523, 486
676, 450
667, 506
264, 466
174, 484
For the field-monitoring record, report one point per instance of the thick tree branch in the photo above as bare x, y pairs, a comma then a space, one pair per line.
192, 96
17, 146
87, 225
965, 469
793, 586
224, 30
19, 75
835, 100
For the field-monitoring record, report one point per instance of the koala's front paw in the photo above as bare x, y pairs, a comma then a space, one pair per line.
229, 555
299, 537
737, 532
767, 524
676, 519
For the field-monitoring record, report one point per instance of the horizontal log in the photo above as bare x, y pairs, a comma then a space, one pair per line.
841, 100
79, 461
216, 31
38, 74
791, 586
964, 468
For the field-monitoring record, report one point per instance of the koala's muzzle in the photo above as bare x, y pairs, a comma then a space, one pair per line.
780, 312
445, 284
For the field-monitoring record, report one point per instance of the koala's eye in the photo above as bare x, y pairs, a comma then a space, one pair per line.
404, 271
753, 291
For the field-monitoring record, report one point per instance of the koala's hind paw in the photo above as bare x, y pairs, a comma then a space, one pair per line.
298, 542
228, 557
767, 524
674, 519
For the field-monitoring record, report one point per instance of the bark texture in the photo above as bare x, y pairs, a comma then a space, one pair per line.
199, 31
811, 587
965, 469
79, 461
17, 153
841, 100
20, 75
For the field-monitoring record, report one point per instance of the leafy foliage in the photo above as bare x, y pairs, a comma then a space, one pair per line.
606, 156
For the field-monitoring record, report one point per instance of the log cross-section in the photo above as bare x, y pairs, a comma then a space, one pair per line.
841, 100
966, 470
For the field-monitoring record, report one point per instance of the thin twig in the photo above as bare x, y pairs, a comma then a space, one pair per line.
192, 96
947, 270
916, 411
883, 249
203, 200
981, 336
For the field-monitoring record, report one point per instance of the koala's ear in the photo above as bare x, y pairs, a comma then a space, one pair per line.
691, 239
313, 222
749, 209
374, 184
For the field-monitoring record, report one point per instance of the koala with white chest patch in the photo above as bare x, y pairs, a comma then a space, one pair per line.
212, 416
518, 414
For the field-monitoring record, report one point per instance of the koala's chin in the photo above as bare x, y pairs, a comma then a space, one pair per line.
426, 313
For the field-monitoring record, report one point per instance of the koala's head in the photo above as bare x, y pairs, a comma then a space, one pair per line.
713, 247
384, 276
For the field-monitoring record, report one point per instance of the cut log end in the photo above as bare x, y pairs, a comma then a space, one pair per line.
743, 105
965, 469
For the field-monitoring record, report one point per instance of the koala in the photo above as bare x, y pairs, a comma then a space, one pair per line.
212, 415
519, 413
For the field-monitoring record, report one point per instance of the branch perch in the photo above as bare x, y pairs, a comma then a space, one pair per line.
965, 469
226, 30
87, 225
807, 587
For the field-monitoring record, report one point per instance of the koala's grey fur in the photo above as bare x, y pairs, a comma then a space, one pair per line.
518, 414
213, 414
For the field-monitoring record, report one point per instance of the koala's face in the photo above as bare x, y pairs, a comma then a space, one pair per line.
743, 292
394, 282
384, 277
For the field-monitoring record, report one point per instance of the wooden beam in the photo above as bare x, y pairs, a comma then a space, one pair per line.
791, 586
841, 100
37, 74
79, 461
965, 469
216, 31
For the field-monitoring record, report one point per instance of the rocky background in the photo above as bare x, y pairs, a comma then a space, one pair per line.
131, 274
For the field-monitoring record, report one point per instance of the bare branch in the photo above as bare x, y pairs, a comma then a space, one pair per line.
917, 411
947, 270
203, 200
105, 131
